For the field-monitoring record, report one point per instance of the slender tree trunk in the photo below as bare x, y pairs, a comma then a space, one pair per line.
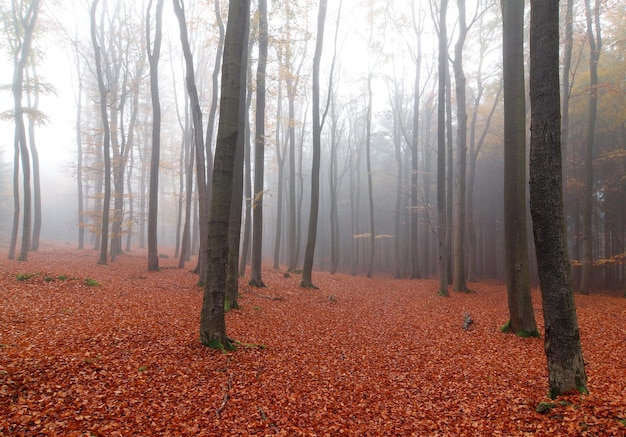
212, 321
104, 234
521, 315
441, 153
199, 146
153, 59
247, 196
281, 172
307, 267
459, 276
595, 46
79, 159
34, 244
259, 152
566, 369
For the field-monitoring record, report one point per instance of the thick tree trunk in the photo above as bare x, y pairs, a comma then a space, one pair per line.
212, 321
566, 369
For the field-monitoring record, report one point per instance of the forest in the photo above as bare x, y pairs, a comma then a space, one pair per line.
365, 196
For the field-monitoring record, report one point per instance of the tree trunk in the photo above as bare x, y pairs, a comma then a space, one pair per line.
521, 315
153, 59
259, 152
595, 46
566, 369
460, 281
34, 244
199, 146
441, 153
243, 148
212, 321
280, 158
104, 234
307, 267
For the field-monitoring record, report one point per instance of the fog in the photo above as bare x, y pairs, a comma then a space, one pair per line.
402, 31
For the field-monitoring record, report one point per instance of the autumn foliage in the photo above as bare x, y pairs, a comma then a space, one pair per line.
113, 350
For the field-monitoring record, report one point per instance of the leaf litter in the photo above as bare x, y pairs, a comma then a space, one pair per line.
358, 356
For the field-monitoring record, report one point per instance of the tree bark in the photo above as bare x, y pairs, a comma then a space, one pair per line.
153, 59
595, 46
212, 321
521, 315
199, 146
566, 369
106, 205
441, 153
259, 152
307, 267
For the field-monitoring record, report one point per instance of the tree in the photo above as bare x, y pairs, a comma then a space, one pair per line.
461, 115
566, 368
212, 321
441, 152
595, 46
307, 267
199, 146
104, 234
24, 17
259, 152
153, 60
521, 315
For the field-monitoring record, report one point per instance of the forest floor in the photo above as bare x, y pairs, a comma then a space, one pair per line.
119, 355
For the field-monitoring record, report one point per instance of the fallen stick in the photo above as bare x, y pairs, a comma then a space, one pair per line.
218, 411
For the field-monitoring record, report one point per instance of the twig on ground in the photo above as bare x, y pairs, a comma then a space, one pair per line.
219, 410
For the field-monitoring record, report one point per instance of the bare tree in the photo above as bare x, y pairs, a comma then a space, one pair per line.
153, 60
259, 152
595, 46
106, 205
307, 267
441, 152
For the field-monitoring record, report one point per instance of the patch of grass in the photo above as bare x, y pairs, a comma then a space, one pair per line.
63, 277
526, 334
48, 279
143, 368
24, 276
257, 308
163, 255
622, 421
91, 282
